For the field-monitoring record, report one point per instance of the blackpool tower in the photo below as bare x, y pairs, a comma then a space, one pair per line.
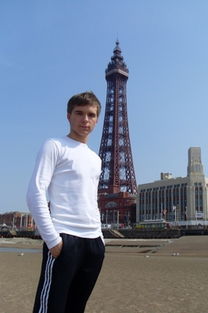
115, 148
118, 176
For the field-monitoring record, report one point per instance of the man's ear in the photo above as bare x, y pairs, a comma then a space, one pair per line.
68, 116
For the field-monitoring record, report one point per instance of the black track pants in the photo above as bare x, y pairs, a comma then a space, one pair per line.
67, 281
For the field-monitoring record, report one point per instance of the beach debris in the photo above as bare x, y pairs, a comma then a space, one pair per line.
176, 254
21, 254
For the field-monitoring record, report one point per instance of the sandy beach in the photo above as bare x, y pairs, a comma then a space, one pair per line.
138, 276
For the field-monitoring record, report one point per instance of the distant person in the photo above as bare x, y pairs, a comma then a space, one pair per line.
66, 175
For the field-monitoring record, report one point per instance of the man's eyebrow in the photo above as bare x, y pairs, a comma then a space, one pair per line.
77, 110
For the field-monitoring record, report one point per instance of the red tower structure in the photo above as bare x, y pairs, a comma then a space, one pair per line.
118, 179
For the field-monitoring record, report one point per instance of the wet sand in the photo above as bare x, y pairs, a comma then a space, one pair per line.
138, 276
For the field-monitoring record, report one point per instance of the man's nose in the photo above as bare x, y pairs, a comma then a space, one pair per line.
85, 118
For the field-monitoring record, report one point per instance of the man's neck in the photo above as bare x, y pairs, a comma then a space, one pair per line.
72, 136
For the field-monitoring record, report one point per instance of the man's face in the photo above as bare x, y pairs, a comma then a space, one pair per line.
82, 120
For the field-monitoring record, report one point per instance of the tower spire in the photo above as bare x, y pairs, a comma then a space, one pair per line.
117, 64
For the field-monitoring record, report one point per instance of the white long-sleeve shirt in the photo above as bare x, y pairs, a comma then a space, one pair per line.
66, 174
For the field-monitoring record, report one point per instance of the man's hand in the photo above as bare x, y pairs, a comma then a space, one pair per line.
56, 250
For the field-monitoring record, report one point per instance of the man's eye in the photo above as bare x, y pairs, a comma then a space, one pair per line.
92, 115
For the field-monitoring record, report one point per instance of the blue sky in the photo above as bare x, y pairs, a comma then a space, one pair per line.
50, 50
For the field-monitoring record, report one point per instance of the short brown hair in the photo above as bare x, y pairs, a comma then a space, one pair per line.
84, 98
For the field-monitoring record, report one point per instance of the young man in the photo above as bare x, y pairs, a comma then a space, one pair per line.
66, 175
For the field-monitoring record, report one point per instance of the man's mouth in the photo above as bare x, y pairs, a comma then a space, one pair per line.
85, 127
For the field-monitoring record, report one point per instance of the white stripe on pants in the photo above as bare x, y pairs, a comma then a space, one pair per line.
47, 284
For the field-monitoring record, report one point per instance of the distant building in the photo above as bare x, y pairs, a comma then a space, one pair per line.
176, 199
17, 220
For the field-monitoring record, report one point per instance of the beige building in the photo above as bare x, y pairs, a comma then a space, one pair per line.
181, 200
